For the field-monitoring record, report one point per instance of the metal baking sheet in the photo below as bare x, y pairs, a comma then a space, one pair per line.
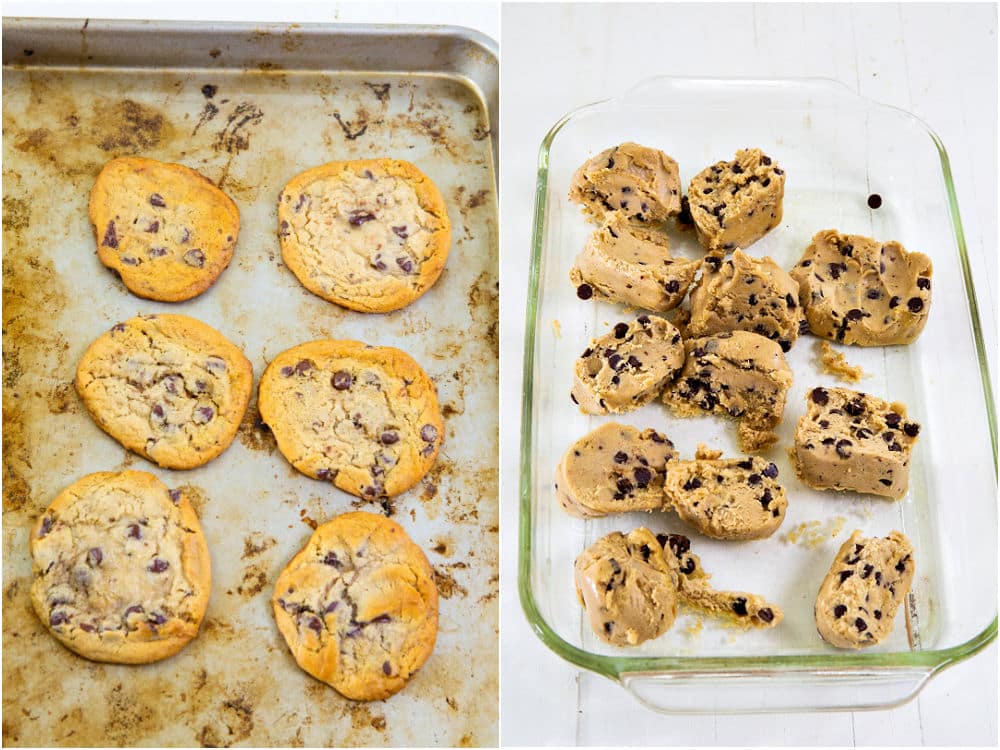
249, 107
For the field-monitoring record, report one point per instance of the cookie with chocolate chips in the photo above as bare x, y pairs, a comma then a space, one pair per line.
121, 568
165, 229
167, 387
358, 607
365, 418
860, 595
371, 235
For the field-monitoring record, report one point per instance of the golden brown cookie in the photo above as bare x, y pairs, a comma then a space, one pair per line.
164, 228
371, 235
121, 568
358, 606
168, 387
363, 417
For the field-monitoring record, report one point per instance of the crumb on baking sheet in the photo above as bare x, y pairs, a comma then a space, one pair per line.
557, 328
811, 534
694, 628
833, 363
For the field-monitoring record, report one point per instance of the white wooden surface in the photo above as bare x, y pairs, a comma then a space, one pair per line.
936, 61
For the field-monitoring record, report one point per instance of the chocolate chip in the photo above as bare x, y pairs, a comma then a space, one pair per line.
303, 366
753, 479
692, 484
153, 228
672, 286
855, 314
620, 330
287, 371
748, 464
624, 485
770, 471
203, 414
766, 615
878, 577
195, 257
740, 605
282, 230
861, 625
428, 433
156, 618
923, 282
341, 380
323, 474
94, 557
110, 236
643, 477
58, 618
386, 668
766, 498
46, 526
621, 457
208, 90
156, 199
134, 531
389, 438
215, 364
901, 566
359, 216
820, 396
886, 482
915, 304
405, 264
867, 570
874, 200
839, 611
175, 496
844, 448
766, 181
584, 291
158, 565
634, 361
400, 232
893, 419
845, 574
878, 614
855, 408
893, 302
300, 202
157, 252
331, 559
911, 429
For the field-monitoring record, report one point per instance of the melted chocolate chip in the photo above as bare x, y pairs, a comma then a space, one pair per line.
428, 433
203, 414
155, 199
389, 437
94, 557
303, 366
175, 496
405, 264
287, 371
341, 380
195, 257
134, 531
359, 216
158, 565
323, 474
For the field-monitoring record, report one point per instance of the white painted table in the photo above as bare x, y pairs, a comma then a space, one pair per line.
936, 61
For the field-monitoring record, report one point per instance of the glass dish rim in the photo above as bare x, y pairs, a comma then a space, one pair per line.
615, 667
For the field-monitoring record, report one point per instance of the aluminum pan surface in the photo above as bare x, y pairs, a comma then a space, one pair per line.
237, 682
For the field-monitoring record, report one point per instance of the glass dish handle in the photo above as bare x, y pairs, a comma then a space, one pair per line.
658, 91
786, 690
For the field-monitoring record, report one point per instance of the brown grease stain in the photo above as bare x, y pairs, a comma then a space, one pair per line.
254, 434
445, 581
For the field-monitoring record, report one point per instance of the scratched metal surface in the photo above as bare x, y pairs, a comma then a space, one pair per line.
70, 106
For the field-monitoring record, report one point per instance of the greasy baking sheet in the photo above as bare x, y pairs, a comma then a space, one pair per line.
249, 108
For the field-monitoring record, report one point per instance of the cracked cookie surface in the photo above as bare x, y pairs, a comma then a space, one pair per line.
627, 367
627, 588
733, 204
856, 290
358, 607
121, 568
616, 468
627, 263
849, 440
641, 182
745, 294
167, 387
727, 498
738, 374
164, 228
860, 595
363, 417
371, 235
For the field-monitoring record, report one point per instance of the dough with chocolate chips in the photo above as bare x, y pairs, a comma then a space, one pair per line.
358, 607
745, 294
848, 440
733, 204
371, 235
855, 290
628, 366
739, 374
363, 417
639, 181
627, 263
614, 469
167, 387
627, 588
121, 568
868, 580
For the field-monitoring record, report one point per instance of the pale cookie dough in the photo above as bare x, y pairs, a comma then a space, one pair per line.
167, 230
641, 182
868, 580
734, 204
726, 498
121, 568
849, 440
696, 592
167, 387
627, 588
739, 374
614, 469
358, 607
363, 417
627, 367
626, 263
745, 294
856, 290
835, 363
371, 235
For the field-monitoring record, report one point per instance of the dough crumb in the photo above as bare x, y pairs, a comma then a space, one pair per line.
811, 534
695, 628
557, 328
834, 363
704, 453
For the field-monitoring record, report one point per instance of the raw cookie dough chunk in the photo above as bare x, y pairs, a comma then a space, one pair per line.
858, 291
745, 294
164, 228
869, 579
627, 587
696, 592
371, 235
849, 440
739, 374
121, 568
168, 387
628, 366
363, 417
614, 469
358, 607
727, 498
627, 263
641, 182
735, 203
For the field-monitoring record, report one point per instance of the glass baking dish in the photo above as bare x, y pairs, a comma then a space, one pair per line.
837, 148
